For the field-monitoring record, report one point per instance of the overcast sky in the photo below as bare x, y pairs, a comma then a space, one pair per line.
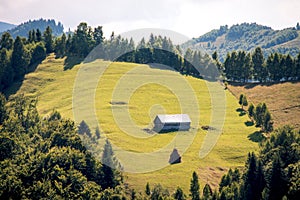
189, 17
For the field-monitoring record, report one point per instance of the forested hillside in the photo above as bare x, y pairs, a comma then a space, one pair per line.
40, 24
6, 26
246, 37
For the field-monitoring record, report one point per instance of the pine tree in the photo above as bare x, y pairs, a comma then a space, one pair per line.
83, 128
250, 178
258, 61
276, 180
98, 35
60, 46
38, 35
6, 70
20, 58
2, 108
267, 122
195, 187
251, 109
207, 192
6, 41
109, 165
39, 53
297, 67
179, 194
243, 101
148, 190
48, 38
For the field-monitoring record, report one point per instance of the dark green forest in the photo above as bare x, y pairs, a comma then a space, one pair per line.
45, 157
41, 24
246, 36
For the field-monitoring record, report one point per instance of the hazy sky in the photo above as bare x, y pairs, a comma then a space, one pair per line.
189, 17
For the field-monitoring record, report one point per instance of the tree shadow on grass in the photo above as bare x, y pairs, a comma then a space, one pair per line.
249, 123
241, 111
71, 61
257, 136
16, 84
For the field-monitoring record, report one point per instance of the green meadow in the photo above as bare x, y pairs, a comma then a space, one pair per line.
123, 99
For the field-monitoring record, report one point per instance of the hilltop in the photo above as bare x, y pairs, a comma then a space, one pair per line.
247, 36
41, 24
6, 26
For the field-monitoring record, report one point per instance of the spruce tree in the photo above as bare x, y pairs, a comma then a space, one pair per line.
83, 128
2, 108
249, 185
179, 194
109, 167
258, 61
148, 190
251, 109
48, 38
207, 192
20, 58
195, 187
6, 41
276, 180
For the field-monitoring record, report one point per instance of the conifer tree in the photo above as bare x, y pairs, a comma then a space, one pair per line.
148, 190
179, 194
207, 192
195, 187
48, 38
20, 58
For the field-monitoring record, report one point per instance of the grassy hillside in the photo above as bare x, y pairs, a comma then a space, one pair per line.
246, 37
282, 100
143, 98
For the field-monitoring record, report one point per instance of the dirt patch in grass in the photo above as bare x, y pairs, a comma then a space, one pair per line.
212, 175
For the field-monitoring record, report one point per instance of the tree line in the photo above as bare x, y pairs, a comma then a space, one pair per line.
259, 114
19, 56
246, 67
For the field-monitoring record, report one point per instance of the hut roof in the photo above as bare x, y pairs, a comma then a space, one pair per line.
176, 118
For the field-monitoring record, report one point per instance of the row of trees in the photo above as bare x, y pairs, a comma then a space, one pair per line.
260, 114
243, 67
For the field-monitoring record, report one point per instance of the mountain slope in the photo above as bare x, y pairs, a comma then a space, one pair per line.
54, 89
246, 37
6, 26
41, 24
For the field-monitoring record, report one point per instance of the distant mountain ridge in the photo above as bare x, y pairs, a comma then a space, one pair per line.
41, 24
247, 36
4, 26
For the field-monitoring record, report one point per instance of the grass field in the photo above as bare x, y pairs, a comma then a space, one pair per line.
282, 99
130, 93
